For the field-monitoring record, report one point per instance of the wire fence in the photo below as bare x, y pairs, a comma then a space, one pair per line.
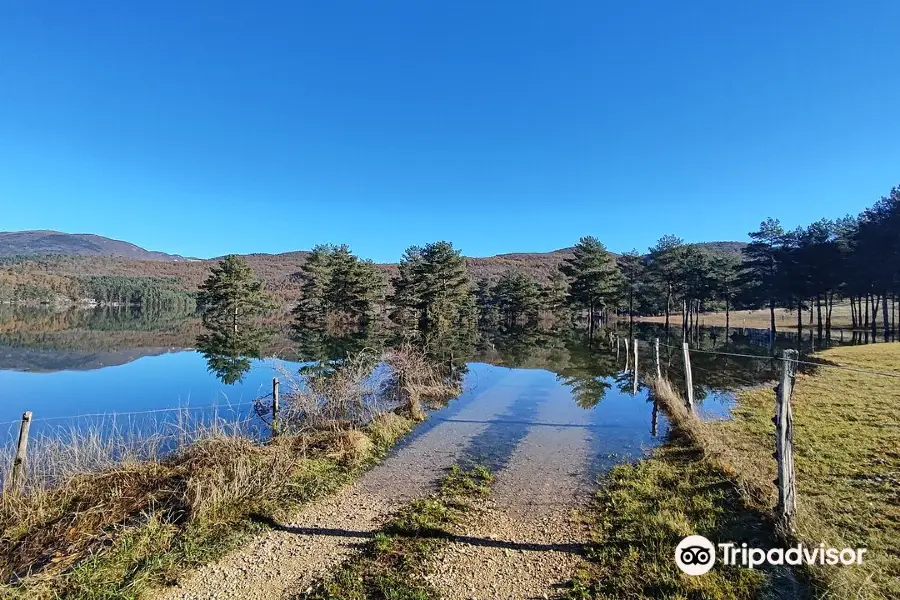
688, 369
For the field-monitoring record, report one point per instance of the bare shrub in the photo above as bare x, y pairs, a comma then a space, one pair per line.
417, 380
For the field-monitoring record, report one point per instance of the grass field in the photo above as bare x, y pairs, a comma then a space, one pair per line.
715, 479
784, 319
641, 513
847, 461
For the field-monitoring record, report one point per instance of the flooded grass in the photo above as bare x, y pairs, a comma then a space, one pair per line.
716, 477
641, 513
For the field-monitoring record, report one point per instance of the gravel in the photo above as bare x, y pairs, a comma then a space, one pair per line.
286, 560
525, 543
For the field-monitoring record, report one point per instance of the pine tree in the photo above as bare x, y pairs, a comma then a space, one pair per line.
337, 284
725, 274
553, 294
593, 278
231, 298
763, 266
314, 276
516, 296
433, 289
231, 301
631, 267
665, 267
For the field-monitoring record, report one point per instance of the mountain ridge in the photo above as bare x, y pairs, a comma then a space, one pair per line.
48, 242
44, 242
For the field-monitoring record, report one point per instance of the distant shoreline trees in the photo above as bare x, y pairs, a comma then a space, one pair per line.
808, 270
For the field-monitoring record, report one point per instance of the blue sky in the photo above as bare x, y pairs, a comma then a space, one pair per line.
203, 128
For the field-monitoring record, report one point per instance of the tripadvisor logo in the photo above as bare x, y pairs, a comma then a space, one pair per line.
696, 555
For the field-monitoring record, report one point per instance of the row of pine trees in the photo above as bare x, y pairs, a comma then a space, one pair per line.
809, 268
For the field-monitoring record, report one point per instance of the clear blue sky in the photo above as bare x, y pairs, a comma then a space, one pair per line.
211, 127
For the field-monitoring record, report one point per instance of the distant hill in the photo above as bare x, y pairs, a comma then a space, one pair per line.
733, 248
42, 243
82, 255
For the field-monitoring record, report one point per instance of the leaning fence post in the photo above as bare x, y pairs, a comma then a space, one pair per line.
688, 376
658, 367
784, 442
634, 341
18, 470
274, 406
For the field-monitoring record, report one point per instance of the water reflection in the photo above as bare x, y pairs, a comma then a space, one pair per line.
44, 342
229, 351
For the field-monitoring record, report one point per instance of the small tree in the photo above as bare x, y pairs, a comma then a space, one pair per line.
231, 300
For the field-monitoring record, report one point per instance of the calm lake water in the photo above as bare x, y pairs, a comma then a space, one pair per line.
62, 365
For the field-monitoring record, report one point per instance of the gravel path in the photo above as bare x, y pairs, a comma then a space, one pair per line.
526, 541
288, 559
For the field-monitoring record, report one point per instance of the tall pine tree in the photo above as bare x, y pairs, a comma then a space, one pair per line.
593, 278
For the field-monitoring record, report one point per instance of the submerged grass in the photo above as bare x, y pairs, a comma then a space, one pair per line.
136, 525
644, 509
394, 565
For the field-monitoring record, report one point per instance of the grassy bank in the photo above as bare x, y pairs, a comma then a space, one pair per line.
122, 530
715, 479
394, 565
644, 509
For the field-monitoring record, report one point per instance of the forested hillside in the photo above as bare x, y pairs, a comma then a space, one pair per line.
31, 276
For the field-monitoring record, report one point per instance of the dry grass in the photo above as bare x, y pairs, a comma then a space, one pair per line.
784, 318
101, 518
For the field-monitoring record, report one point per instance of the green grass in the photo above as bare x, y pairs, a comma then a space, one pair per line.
393, 566
847, 463
641, 513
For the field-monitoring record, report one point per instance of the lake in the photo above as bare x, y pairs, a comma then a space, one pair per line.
72, 368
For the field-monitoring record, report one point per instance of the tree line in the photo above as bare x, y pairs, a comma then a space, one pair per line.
855, 259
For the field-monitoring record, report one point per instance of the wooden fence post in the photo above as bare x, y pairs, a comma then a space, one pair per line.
274, 406
635, 342
658, 367
688, 376
784, 442
18, 470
